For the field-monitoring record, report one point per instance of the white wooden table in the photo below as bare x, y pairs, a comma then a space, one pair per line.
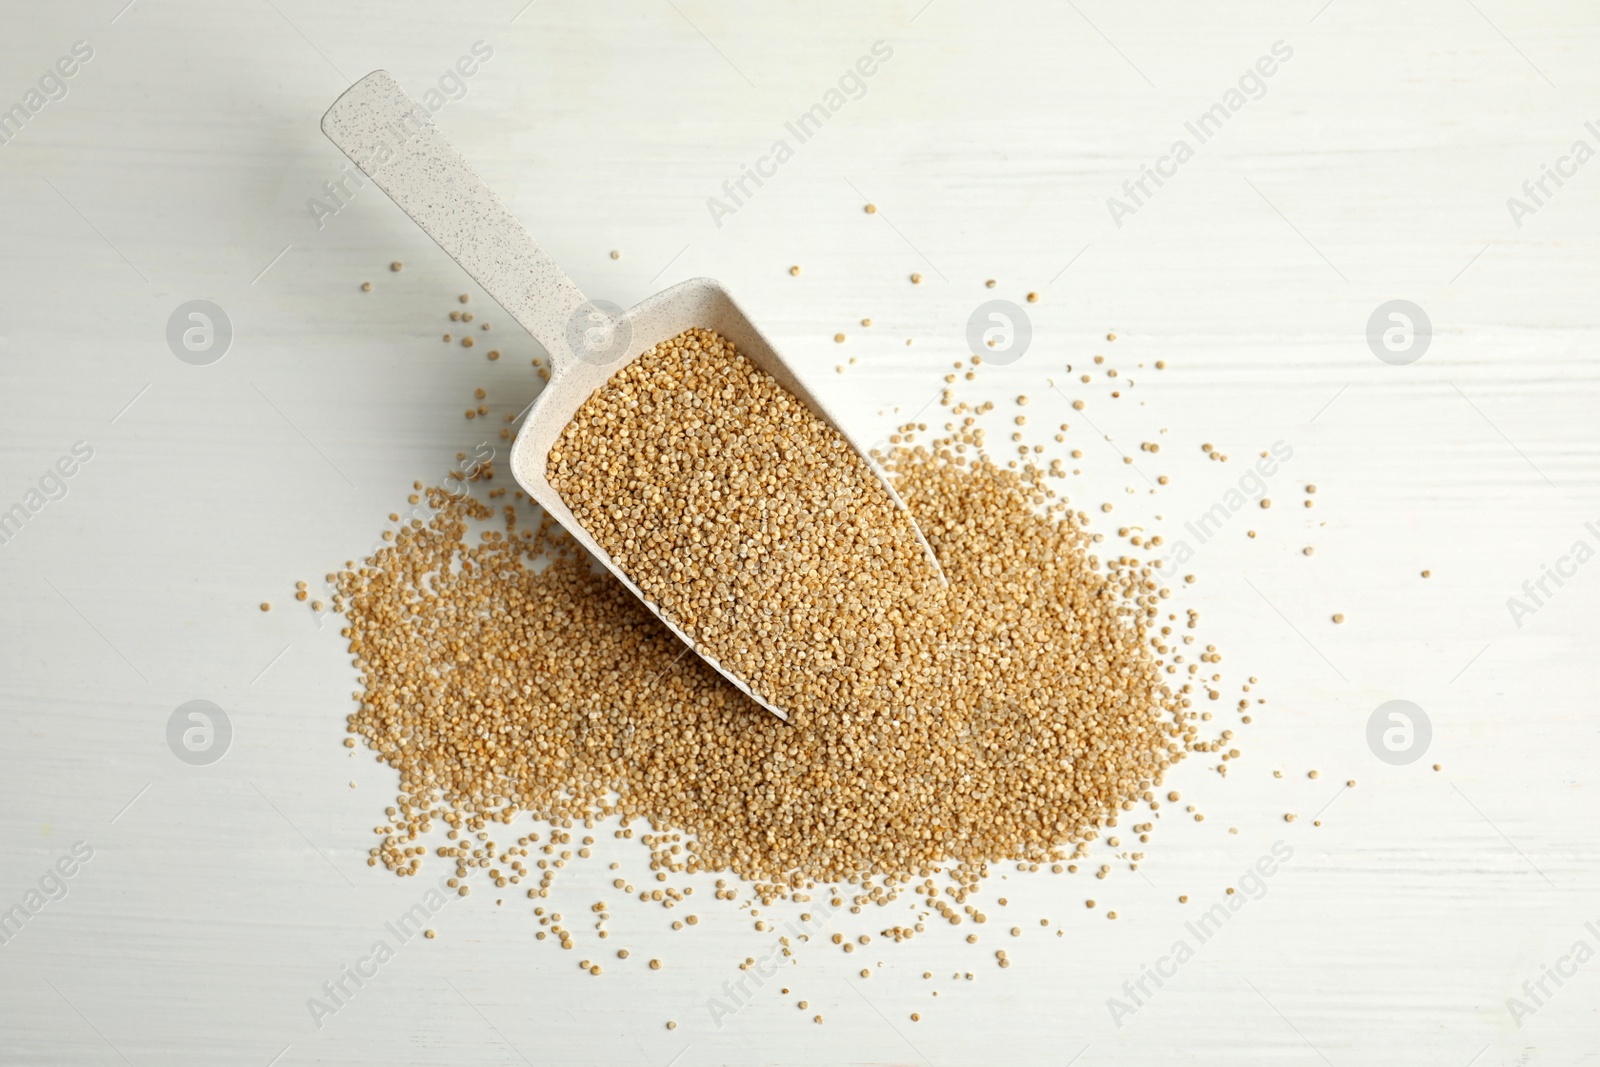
1374, 164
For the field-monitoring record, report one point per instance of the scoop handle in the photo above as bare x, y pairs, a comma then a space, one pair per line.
394, 142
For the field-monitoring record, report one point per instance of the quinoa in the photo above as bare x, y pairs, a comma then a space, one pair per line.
755, 525
1005, 716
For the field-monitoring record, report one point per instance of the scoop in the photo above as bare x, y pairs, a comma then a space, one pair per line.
394, 142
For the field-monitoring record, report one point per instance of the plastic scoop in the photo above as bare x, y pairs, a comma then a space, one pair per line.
395, 144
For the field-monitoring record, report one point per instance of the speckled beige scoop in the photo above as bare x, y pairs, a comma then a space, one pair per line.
394, 142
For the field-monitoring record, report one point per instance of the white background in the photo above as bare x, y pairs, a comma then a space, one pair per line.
1376, 166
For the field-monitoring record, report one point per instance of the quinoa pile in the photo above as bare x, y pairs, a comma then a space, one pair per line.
1006, 716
